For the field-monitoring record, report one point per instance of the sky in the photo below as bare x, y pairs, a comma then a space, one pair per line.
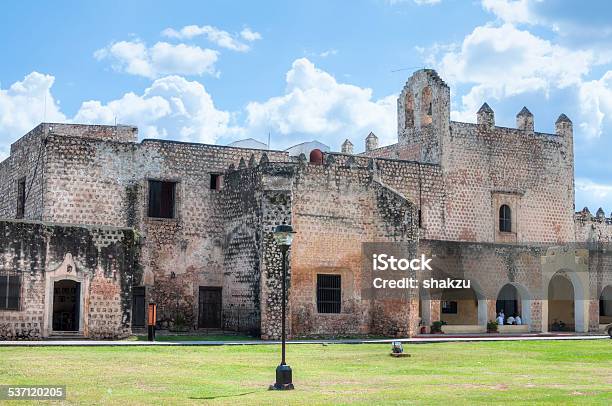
219, 71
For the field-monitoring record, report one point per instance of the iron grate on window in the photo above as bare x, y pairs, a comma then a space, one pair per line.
329, 293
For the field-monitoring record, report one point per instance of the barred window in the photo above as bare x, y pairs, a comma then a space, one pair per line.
329, 293
505, 218
10, 291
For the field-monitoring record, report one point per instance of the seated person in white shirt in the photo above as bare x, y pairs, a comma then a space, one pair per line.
510, 320
518, 320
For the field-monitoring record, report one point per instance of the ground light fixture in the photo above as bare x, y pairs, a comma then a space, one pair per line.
397, 350
283, 235
152, 319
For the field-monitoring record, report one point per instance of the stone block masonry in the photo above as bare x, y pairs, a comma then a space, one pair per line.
103, 261
205, 214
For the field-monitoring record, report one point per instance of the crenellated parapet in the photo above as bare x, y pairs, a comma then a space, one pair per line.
593, 228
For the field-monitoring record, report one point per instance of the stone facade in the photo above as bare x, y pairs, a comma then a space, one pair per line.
102, 260
211, 261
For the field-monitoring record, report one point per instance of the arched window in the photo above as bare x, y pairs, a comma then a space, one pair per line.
426, 106
409, 110
505, 218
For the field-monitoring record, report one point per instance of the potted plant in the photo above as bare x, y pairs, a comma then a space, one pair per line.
492, 326
436, 327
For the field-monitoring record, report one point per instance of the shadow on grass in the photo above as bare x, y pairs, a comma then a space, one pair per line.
223, 396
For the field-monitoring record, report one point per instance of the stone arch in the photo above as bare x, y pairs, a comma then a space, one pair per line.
605, 305
521, 298
426, 106
408, 110
565, 299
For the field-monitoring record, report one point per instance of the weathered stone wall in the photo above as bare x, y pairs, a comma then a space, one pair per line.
27, 161
103, 259
242, 245
532, 173
336, 208
591, 228
100, 182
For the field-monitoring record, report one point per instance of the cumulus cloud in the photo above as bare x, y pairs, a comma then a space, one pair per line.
511, 11
595, 101
23, 105
171, 107
218, 37
248, 35
503, 61
593, 195
315, 105
136, 58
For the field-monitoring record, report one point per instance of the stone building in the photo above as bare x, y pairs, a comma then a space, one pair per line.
96, 225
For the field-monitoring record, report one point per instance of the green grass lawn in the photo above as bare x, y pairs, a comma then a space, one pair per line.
533, 372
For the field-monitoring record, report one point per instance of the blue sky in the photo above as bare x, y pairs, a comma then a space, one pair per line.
217, 71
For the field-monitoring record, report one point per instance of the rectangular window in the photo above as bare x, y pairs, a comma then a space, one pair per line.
449, 307
162, 199
329, 293
10, 291
215, 181
21, 198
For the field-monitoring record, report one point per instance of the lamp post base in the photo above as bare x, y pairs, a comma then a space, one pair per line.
283, 378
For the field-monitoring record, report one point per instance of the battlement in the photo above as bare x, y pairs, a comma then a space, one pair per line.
593, 228
600, 216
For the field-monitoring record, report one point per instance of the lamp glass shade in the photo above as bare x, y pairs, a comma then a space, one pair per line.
283, 235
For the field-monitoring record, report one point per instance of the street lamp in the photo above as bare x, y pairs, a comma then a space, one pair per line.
283, 235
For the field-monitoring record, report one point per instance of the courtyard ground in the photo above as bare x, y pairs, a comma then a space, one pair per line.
533, 372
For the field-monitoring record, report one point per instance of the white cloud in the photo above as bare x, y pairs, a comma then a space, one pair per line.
505, 61
136, 58
315, 105
329, 52
511, 11
219, 37
25, 104
595, 101
172, 106
593, 194
248, 35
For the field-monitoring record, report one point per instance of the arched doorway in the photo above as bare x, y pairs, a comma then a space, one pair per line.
605, 305
515, 300
561, 306
508, 301
66, 305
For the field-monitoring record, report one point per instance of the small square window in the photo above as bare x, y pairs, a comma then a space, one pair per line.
215, 181
162, 199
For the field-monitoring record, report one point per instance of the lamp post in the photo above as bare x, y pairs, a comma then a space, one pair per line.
283, 235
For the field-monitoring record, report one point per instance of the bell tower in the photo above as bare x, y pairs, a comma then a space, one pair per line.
423, 113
